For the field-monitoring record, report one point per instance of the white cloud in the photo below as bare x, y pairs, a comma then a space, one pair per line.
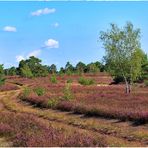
9, 29
51, 43
43, 11
34, 53
19, 58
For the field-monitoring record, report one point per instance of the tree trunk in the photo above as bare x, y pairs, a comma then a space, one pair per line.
128, 87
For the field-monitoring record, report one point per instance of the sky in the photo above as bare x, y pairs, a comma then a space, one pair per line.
57, 32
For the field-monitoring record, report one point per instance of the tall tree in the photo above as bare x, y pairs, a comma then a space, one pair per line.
2, 79
80, 67
53, 69
123, 52
69, 69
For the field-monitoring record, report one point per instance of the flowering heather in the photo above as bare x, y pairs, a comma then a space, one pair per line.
29, 131
109, 101
8, 86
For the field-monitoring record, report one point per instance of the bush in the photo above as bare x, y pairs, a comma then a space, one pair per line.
146, 82
2, 81
26, 92
118, 79
53, 79
69, 81
39, 91
67, 93
52, 103
84, 81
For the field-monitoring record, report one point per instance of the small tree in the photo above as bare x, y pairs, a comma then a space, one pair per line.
80, 67
53, 69
123, 52
69, 69
26, 72
2, 79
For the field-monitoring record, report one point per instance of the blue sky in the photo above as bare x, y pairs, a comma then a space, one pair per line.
58, 32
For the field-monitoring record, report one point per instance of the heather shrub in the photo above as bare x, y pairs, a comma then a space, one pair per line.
78, 139
68, 95
39, 91
5, 129
53, 79
85, 81
65, 106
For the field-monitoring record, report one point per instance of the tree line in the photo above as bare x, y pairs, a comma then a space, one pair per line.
32, 67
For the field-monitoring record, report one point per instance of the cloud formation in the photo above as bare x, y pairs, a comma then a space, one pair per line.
19, 58
51, 43
34, 53
43, 11
9, 29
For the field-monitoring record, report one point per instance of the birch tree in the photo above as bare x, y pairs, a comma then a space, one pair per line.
123, 52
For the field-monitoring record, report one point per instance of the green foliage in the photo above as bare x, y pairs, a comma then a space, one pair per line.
144, 73
11, 71
85, 81
146, 82
118, 79
68, 95
69, 69
123, 52
53, 69
69, 81
26, 92
39, 91
26, 72
62, 71
80, 67
52, 103
2, 79
93, 68
69, 72
32, 67
53, 79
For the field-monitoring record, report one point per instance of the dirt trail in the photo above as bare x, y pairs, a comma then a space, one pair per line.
111, 129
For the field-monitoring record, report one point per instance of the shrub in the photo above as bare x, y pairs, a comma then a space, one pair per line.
39, 91
67, 93
26, 92
84, 81
2, 81
53, 79
52, 103
118, 79
69, 81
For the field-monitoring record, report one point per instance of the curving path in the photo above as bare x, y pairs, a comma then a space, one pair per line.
116, 133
